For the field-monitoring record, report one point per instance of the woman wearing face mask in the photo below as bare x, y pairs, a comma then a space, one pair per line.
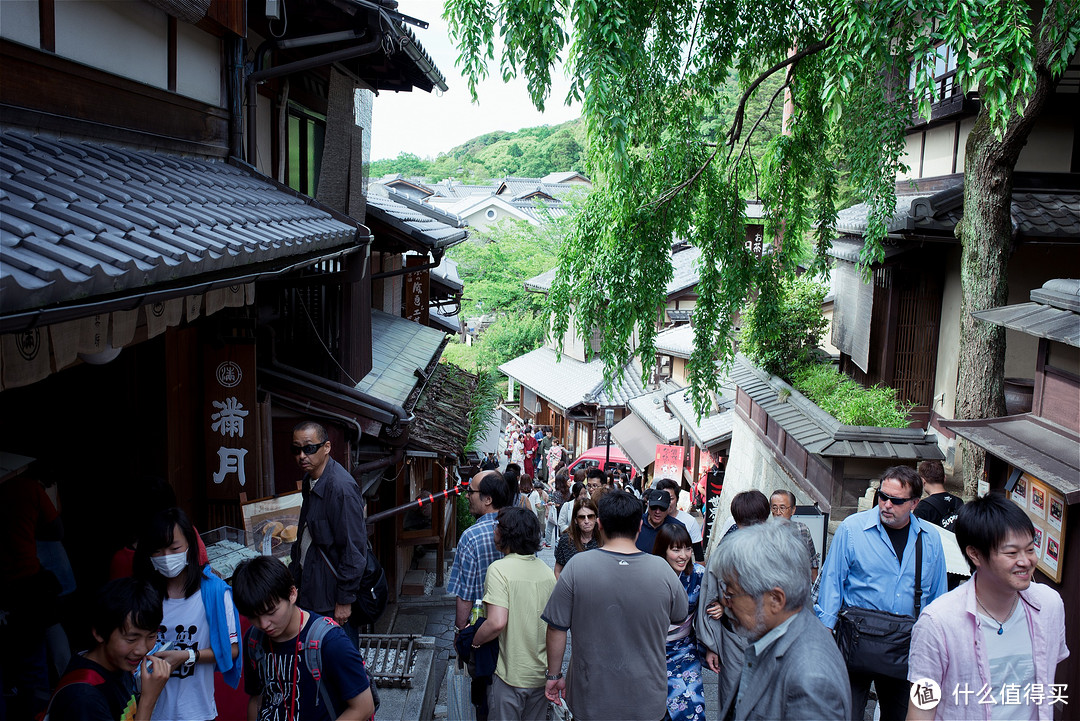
199, 617
686, 693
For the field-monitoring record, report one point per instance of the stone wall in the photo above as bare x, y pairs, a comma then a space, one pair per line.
752, 465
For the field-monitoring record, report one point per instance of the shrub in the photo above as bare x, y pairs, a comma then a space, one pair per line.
847, 401
784, 343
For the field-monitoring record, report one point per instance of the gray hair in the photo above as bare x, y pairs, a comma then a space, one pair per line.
766, 556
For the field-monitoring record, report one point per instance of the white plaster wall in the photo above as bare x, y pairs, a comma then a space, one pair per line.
961, 150
129, 39
938, 155
572, 345
1030, 267
912, 151
198, 65
19, 21
751, 465
1049, 147
263, 139
948, 337
678, 371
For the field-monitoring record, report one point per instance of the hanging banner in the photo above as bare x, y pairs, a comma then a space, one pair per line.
669, 462
416, 290
229, 418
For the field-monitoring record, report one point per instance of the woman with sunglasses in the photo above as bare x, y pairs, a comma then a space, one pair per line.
200, 621
686, 692
584, 533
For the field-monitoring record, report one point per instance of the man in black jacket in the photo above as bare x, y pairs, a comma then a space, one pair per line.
331, 544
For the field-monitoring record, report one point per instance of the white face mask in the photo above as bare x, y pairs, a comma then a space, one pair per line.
170, 565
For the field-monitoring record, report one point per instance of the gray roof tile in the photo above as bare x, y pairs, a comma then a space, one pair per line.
399, 347
566, 382
79, 219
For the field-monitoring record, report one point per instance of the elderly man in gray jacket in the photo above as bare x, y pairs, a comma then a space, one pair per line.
790, 666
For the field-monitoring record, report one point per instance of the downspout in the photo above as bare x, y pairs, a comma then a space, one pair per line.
234, 84
258, 76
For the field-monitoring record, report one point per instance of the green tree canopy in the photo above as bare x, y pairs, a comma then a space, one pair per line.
855, 72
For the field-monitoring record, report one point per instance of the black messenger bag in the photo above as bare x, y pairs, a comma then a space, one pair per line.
877, 642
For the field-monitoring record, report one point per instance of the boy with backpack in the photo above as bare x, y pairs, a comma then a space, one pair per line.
298, 665
100, 685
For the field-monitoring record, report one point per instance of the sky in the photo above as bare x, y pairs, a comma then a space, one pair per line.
426, 124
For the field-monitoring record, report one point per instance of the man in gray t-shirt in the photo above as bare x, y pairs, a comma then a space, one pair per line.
619, 603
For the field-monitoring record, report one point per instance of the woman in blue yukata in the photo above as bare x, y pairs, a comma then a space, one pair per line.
686, 693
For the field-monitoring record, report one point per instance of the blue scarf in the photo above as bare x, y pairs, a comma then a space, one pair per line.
213, 596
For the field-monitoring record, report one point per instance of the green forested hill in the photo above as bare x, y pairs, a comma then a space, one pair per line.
528, 153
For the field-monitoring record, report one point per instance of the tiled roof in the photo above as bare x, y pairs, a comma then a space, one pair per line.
685, 273
712, 429
399, 348
1035, 214
1048, 451
417, 224
562, 177
820, 433
650, 408
853, 220
446, 272
567, 382
80, 219
1054, 313
677, 341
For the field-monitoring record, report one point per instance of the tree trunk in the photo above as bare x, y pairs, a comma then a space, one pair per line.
986, 236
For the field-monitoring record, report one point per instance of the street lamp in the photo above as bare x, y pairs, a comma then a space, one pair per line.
609, 419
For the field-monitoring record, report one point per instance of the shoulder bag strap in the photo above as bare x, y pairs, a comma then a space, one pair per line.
918, 573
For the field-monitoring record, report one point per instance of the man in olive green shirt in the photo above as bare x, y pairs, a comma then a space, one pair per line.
516, 590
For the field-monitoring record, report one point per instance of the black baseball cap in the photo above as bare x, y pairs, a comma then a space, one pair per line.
658, 498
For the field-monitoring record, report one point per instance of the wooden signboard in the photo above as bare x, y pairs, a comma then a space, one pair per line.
229, 418
1047, 510
417, 284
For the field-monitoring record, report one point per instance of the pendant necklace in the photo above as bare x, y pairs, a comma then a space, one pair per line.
1001, 624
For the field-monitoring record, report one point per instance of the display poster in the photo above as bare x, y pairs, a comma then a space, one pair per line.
1019, 492
271, 523
1047, 510
669, 462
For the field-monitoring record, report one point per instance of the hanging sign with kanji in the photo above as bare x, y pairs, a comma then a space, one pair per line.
229, 419
669, 462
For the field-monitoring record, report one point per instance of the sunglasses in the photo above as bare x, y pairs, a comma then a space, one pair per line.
586, 516
308, 450
882, 497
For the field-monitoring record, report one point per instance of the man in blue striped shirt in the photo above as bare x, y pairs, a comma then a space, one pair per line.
488, 492
871, 564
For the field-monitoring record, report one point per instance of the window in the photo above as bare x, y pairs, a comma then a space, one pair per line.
491, 214
307, 134
945, 86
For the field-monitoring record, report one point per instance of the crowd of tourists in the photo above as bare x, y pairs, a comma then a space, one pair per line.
790, 636
645, 612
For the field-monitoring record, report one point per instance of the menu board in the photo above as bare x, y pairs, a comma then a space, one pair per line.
1046, 508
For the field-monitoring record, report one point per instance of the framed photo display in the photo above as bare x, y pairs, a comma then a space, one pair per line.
1047, 510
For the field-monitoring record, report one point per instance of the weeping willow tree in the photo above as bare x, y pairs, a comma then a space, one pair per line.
854, 72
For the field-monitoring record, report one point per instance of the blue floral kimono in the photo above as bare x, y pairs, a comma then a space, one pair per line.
686, 694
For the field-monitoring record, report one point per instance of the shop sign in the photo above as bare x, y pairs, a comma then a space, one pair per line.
228, 418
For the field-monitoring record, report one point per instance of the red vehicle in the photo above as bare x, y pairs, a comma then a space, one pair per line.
594, 458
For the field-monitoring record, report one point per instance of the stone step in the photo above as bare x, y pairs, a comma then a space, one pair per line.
413, 585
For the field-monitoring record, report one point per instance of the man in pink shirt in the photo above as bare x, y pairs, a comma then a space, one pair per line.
989, 649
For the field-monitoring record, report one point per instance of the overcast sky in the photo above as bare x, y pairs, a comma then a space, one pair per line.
429, 123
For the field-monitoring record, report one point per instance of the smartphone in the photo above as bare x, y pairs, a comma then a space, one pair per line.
158, 648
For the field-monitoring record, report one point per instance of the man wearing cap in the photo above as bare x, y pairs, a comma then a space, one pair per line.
656, 515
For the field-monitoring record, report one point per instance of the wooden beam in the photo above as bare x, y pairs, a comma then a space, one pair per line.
47, 25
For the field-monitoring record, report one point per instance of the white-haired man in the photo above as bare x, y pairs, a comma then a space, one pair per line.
792, 668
